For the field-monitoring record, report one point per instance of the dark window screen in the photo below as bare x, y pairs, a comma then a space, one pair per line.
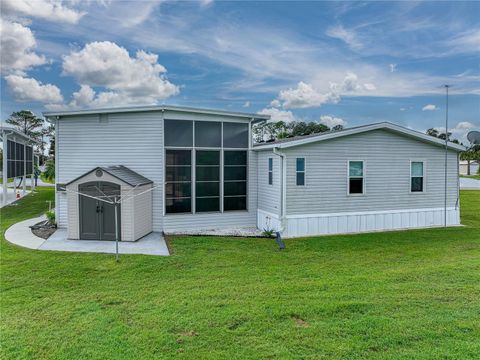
235, 135
178, 181
235, 180
207, 187
208, 134
179, 133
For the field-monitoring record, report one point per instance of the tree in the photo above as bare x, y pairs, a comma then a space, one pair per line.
432, 132
26, 122
472, 154
270, 131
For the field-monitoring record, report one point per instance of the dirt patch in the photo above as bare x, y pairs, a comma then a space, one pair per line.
43, 229
299, 322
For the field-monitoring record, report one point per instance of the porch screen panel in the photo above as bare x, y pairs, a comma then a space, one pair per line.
235, 180
235, 135
207, 180
29, 159
178, 181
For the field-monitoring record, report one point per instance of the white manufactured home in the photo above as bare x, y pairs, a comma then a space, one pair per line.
196, 169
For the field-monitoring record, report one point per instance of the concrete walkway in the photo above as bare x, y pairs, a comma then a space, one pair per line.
20, 234
469, 184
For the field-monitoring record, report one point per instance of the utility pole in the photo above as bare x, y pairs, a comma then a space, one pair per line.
446, 153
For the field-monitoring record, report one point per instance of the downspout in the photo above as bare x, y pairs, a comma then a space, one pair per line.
283, 188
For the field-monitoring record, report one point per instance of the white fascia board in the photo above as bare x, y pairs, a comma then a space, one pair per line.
358, 130
163, 108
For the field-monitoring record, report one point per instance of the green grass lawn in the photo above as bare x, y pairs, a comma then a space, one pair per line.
408, 294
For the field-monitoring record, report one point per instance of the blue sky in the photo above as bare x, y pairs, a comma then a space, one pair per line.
335, 62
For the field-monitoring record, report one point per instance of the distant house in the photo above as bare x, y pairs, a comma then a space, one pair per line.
204, 172
464, 164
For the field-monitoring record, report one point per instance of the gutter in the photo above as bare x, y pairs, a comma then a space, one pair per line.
283, 187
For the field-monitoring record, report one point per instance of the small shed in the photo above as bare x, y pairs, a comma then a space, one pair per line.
89, 218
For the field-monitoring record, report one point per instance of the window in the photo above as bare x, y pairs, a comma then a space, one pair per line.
416, 175
178, 181
179, 133
235, 135
355, 177
208, 134
235, 180
300, 171
207, 181
270, 171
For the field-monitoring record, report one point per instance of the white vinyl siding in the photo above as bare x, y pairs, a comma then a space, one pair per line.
134, 140
268, 195
387, 163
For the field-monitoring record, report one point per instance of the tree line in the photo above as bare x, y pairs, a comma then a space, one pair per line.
271, 131
471, 154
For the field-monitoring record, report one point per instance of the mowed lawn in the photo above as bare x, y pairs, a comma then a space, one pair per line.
408, 294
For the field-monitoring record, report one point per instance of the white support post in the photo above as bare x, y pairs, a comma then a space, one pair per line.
15, 186
24, 179
5, 170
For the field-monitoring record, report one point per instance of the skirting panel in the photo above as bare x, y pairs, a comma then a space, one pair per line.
268, 221
344, 223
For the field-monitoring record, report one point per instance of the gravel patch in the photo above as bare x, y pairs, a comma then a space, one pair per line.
236, 232
43, 229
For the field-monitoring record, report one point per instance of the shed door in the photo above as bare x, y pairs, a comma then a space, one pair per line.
97, 218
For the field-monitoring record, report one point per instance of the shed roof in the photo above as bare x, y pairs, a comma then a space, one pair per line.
122, 173
307, 139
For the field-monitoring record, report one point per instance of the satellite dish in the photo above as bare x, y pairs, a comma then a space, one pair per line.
474, 137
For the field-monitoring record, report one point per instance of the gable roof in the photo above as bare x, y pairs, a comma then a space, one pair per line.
120, 172
308, 139
251, 116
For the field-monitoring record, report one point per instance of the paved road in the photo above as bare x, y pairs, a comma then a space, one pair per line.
466, 183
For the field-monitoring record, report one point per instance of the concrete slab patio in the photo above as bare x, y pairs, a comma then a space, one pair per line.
20, 234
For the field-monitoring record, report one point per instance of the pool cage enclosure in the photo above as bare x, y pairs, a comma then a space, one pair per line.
18, 160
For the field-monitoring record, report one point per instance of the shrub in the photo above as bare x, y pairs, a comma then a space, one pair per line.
268, 233
50, 216
49, 172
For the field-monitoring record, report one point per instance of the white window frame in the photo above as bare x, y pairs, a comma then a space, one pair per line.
270, 160
364, 177
304, 171
424, 176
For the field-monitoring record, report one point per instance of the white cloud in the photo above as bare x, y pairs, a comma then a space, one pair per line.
52, 10
17, 43
332, 121
278, 115
347, 36
392, 67
29, 89
275, 103
247, 104
429, 107
304, 96
350, 83
132, 80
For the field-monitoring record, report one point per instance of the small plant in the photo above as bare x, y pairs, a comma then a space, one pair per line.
49, 172
50, 216
268, 233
